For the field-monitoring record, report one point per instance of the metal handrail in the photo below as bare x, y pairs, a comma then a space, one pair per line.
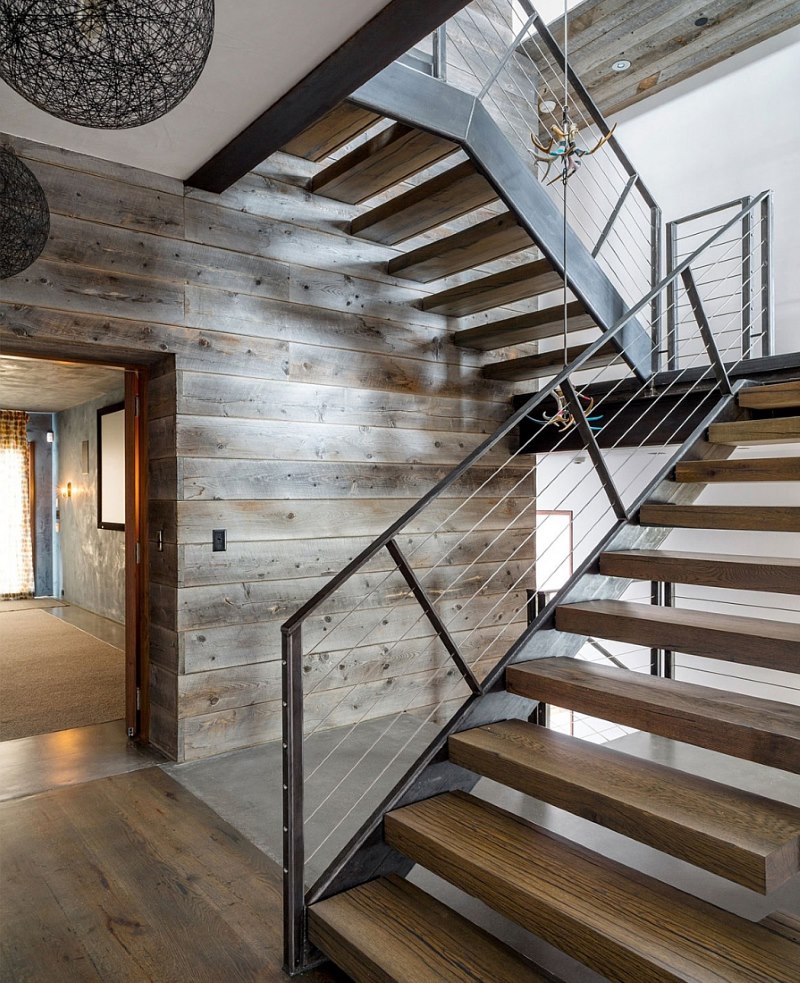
381, 541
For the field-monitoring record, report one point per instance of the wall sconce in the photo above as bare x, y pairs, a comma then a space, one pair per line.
66, 491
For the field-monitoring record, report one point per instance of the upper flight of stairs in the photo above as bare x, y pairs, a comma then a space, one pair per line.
388, 157
623, 924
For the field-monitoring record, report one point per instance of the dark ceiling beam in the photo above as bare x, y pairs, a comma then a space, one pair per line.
390, 33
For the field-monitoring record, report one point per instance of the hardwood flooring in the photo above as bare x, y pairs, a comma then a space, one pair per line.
132, 879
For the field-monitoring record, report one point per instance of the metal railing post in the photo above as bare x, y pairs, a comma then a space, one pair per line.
656, 272
656, 595
672, 297
767, 285
294, 920
668, 598
747, 284
440, 53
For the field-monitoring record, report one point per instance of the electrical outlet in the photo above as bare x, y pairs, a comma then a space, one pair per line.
219, 540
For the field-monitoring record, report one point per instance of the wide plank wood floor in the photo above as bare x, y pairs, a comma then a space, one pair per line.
133, 879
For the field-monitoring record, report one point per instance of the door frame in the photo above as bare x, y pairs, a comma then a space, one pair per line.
137, 572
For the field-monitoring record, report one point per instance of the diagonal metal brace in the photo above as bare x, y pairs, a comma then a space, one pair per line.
593, 447
439, 626
705, 332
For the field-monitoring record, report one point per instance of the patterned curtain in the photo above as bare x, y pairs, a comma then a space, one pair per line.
16, 555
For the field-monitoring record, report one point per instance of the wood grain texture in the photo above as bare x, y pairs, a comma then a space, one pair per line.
740, 469
495, 237
523, 328
745, 838
336, 128
758, 730
495, 290
274, 320
384, 160
783, 923
455, 192
749, 641
389, 931
619, 922
772, 430
762, 573
119, 878
546, 364
781, 396
767, 518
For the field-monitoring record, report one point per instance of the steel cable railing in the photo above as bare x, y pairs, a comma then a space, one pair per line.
419, 645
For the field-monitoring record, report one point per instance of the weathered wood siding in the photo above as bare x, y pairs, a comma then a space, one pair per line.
302, 402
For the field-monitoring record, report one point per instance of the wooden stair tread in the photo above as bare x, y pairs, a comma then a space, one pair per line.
780, 396
384, 160
546, 364
336, 128
767, 573
783, 923
440, 199
763, 731
389, 929
746, 838
484, 242
618, 921
532, 326
496, 290
748, 641
740, 469
773, 430
765, 518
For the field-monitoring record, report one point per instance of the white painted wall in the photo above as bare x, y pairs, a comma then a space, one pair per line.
731, 131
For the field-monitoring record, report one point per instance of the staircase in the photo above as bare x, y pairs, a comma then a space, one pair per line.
363, 914
383, 164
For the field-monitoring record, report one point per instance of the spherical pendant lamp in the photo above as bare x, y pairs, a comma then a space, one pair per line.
24, 216
110, 64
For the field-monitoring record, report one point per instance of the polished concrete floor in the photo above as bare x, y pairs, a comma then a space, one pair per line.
93, 624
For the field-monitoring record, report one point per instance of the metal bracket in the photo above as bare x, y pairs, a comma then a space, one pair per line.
593, 447
426, 604
705, 331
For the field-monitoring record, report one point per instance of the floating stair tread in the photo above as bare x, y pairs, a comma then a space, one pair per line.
336, 128
781, 396
743, 837
384, 160
390, 930
740, 469
768, 573
618, 921
496, 290
446, 196
763, 731
532, 326
773, 430
546, 364
747, 641
492, 239
783, 923
763, 518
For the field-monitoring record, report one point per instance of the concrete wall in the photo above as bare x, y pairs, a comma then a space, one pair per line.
92, 559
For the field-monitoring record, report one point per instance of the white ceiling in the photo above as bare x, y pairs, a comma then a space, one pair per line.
41, 386
261, 49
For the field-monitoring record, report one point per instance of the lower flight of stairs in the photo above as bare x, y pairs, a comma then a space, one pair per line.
391, 155
623, 924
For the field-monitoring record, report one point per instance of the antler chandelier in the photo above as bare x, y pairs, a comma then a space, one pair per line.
24, 216
110, 64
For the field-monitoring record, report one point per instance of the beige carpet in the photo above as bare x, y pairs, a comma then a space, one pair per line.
30, 603
54, 676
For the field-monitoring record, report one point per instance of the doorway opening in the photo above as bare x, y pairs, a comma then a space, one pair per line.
73, 646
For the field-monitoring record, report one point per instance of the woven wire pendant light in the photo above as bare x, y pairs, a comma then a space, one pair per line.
110, 64
24, 216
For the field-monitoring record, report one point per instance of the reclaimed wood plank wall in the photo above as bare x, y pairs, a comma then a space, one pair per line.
302, 402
